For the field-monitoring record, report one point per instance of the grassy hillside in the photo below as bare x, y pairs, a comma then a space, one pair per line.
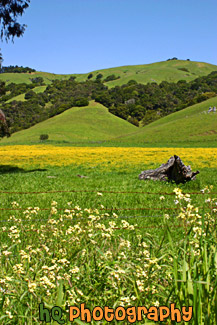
26, 77
78, 124
155, 72
192, 125
170, 71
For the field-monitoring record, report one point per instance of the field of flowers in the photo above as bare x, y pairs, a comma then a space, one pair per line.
102, 239
44, 155
84, 256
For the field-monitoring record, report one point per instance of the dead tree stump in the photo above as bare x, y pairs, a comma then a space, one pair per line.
173, 170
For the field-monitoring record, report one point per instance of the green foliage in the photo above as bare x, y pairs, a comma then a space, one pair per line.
90, 76
37, 80
194, 262
133, 121
111, 78
9, 11
183, 69
81, 102
132, 82
2, 88
72, 78
43, 137
99, 76
150, 116
205, 96
30, 94
16, 69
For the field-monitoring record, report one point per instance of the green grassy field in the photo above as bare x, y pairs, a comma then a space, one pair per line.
107, 242
170, 71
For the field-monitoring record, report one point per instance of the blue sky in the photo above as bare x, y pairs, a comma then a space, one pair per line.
77, 36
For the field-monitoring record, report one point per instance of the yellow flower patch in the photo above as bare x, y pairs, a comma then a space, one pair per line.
43, 155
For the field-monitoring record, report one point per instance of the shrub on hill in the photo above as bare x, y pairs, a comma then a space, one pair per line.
133, 120
183, 69
2, 88
16, 69
38, 80
43, 137
172, 59
111, 78
29, 94
99, 76
72, 78
81, 102
90, 76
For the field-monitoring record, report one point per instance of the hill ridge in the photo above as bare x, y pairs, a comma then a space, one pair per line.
151, 72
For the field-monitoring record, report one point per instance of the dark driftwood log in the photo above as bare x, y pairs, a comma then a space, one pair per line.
173, 170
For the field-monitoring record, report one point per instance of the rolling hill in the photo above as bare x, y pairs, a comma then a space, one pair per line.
92, 123
171, 71
192, 126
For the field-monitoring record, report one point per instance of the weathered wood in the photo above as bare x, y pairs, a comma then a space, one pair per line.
4, 130
173, 170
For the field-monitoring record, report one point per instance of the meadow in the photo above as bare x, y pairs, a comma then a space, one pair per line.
77, 226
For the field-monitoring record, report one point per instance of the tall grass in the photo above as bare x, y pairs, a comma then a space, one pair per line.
84, 256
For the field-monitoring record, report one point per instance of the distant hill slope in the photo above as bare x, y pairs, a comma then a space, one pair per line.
170, 71
26, 77
191, 125
78, 124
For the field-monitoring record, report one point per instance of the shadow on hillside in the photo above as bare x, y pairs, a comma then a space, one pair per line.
8, 169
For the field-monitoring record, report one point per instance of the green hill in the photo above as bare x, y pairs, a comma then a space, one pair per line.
79, 124
26, 77
192, 126
170, 71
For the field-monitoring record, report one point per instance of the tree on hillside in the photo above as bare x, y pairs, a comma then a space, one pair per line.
90, 76
1, 60
10, 10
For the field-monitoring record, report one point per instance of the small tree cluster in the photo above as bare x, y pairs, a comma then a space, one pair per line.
44, 137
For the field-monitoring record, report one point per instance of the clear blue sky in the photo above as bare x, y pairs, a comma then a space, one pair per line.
77, 36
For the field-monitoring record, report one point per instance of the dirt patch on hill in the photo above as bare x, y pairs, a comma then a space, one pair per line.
211, 132
200, 64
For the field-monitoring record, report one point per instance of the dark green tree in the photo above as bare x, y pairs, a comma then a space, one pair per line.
44, 137
99, 76
90, 76
10, 10
1, 60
